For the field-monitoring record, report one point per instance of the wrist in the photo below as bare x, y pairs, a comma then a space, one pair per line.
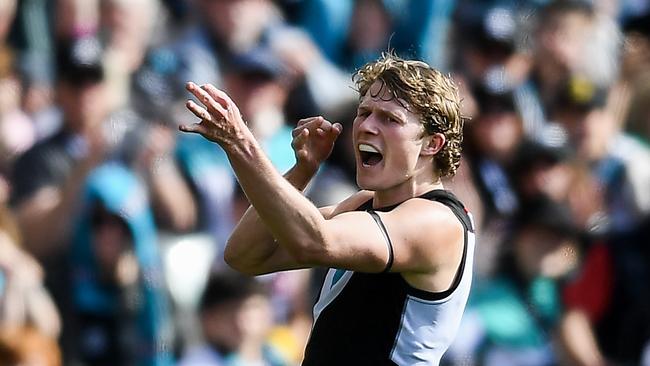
300, 175
306, 169
242, 145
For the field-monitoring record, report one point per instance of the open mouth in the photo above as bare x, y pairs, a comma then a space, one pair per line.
369, 155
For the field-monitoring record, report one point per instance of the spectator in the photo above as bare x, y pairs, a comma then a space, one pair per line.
542, 168
623, 329
33, 38
256, 82
128, 37
223, 28
493, 137
143, 133
635, 75
487, 35
47, 179
118, 313
612, 156
352, 32
363, 46
559, 39
511, 318
236, 317
316, 85
16, 131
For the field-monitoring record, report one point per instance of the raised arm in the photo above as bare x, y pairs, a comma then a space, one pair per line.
45, 214
251, 247
349, 240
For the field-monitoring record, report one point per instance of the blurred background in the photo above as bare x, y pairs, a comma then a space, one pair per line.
112, 224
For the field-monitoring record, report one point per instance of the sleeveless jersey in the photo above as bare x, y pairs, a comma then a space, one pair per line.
379, 319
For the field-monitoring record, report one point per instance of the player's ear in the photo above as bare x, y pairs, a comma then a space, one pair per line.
433, 144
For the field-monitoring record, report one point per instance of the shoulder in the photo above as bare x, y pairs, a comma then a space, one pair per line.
427, 216
35, 153
349, 204
429, 235
353, 202
42, 150
35, 168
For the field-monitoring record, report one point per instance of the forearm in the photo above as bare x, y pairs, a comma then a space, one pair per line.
578, 340
295, 223
251, 243
289, 217
171, 195
45, 219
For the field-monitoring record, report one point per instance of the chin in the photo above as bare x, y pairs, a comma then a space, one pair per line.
368, 183
363, 183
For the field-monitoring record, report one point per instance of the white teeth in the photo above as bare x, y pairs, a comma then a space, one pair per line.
367, 148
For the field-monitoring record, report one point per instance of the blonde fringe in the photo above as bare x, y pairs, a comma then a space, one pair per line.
433, 95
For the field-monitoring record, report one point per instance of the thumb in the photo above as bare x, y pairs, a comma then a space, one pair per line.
337, 128
300, 139
192, 128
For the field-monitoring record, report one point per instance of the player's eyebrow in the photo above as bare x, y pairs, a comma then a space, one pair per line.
398, 115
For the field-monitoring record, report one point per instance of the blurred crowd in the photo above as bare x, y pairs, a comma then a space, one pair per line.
112, 224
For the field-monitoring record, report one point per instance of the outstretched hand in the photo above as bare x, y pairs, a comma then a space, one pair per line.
221, 121
313, 141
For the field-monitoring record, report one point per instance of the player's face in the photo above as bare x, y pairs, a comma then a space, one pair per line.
388, 139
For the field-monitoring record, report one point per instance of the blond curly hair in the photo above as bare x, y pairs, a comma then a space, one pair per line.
430, 94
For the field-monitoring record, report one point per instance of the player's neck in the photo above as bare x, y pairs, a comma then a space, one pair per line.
403, 192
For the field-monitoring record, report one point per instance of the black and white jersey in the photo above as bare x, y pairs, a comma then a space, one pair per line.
379, 319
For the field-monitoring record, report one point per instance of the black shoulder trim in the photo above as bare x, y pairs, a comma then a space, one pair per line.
450, 200
436, 296
389, 243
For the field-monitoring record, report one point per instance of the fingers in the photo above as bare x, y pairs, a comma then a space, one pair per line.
213, 105
198, 111
324, 126
304, 124
218, 95
314, 127
319, 125
300, 139
337, 128
313, 122
307, 120
296, 131
193, 128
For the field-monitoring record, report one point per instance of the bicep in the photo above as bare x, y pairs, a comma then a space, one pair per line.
354, 241
282, 260
279, 260
414, 237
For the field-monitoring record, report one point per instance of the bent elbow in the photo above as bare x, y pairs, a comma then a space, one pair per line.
230, 260
239, 266
242, 263
233, 260
312, 253
228, 256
